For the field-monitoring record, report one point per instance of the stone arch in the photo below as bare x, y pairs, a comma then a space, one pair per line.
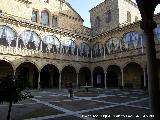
8, 39
6, 69
49, 76
97, 49
84, 49
98, 77
69, 46
130, 61
84, 76
113, 76
28, 60
32, 41
69, 76
51, 44
28, 72
133, 76
112, 45
132, 40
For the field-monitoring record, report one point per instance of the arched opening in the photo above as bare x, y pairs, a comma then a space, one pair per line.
6, 69
69, 47
98, 50
84, 76
113, 76
69, 77
85, 50
51, 44
98, 77
28, 72
133, 76
7, 36
29, 40
49, 76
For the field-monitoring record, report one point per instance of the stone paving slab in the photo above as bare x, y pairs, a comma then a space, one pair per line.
115, 99
144, 103
67, 118
21, 112
78, 105
119, 113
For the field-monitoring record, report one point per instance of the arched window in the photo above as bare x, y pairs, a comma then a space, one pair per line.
45, 17
98, 50
7, 36
54, 21
69, 47
97, 22
84, 50
29, 40
34, 16
46, 1
133, 40
108, 16
136, 18
51, 44
128, 16
112, 45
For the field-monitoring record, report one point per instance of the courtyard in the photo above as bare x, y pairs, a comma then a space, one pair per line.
107, 104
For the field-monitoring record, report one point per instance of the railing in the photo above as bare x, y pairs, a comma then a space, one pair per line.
40, 54
124, 54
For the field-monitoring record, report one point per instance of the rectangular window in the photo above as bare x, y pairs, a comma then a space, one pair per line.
54, 21
108, 16
34, 16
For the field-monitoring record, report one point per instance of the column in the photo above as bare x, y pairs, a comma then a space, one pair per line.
77, 80
91, 78
60, 79
39, 79
145, 85
105, 80
122, 78
104, 52
77, 51
91, 53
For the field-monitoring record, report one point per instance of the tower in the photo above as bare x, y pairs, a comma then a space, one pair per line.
111, 14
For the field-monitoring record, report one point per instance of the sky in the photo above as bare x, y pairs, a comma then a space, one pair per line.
83, 7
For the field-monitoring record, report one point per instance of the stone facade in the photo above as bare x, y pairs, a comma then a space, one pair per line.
113, 55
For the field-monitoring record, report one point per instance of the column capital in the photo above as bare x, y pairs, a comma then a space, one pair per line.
147, 8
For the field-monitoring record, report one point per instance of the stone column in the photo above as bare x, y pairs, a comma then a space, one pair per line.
91, 53
144, 72
105, 79
122, 72
77, 81
39, 79
104, 52
91, 78
147, 8
60, 79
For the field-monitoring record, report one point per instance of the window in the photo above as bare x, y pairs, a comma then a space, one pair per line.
46, 1
128, 16
136, 19
45, 17
108, 16
54, 21
97, 22
34, 16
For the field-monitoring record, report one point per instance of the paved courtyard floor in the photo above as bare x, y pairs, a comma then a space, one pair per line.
109, 104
